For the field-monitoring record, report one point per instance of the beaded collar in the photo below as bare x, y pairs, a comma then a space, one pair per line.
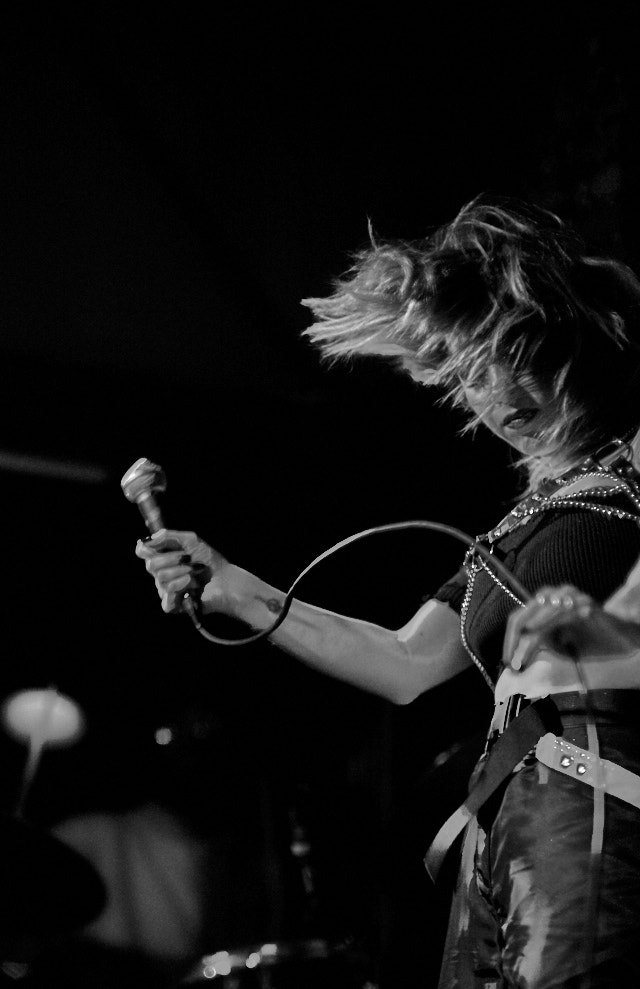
611, 462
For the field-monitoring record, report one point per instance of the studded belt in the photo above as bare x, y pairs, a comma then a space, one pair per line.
536, 727
585, 766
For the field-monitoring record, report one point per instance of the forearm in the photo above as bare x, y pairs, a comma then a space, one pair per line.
625, 603
366, 655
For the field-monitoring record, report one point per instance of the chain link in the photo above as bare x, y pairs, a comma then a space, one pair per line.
536, 504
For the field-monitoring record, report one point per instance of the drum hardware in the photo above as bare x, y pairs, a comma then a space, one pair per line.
308, 964
47, 889
40, 719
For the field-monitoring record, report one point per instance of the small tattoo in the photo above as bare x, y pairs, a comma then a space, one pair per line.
272, 604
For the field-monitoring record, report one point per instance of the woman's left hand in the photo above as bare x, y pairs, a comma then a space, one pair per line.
569, 623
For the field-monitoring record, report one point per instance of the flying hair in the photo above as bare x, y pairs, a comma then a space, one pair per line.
504, 284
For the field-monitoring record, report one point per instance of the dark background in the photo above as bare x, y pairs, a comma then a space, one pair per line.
173, 183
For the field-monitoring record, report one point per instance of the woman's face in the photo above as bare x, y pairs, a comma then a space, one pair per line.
510, 409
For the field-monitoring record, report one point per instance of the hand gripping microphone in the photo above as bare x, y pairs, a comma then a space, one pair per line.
140, 484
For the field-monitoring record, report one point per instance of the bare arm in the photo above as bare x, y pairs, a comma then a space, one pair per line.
625, 603
398, 665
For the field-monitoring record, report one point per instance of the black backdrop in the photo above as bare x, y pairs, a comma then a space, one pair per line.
173, 183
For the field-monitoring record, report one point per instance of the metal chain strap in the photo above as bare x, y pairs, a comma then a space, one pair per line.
536, 505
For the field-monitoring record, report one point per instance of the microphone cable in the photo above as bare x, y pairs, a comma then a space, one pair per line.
192, 609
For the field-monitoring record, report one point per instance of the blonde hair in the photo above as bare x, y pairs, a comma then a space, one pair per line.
503, 284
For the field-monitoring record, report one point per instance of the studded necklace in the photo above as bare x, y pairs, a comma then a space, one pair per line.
611, 462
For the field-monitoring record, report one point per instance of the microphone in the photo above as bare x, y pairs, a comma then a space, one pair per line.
140, 484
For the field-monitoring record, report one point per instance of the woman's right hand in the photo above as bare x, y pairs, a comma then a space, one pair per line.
180, 561
567, 622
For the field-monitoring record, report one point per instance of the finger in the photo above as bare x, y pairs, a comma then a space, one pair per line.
547, 618
529, 642
170, 592
144, 550
519, 623
557, 612
554, 631
158, 543
162, 561
165, 577
549, 629
515, 624
569, 598
526, 647
518, 646
170, 538
539, 621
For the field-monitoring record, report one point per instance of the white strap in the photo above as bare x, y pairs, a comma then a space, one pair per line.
585, 767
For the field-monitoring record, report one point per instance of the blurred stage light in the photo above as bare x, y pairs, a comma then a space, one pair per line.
43, 717
49, 467
164, 736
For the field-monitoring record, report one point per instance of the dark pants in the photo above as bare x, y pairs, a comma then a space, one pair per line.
531, 911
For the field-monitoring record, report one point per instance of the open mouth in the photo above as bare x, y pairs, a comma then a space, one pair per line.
519, 417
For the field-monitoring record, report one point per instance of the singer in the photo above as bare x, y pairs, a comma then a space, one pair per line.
506, 313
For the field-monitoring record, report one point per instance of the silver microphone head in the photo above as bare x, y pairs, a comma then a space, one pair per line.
140, 484
142, 478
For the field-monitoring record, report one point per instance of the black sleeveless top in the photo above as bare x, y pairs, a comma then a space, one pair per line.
576, 546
